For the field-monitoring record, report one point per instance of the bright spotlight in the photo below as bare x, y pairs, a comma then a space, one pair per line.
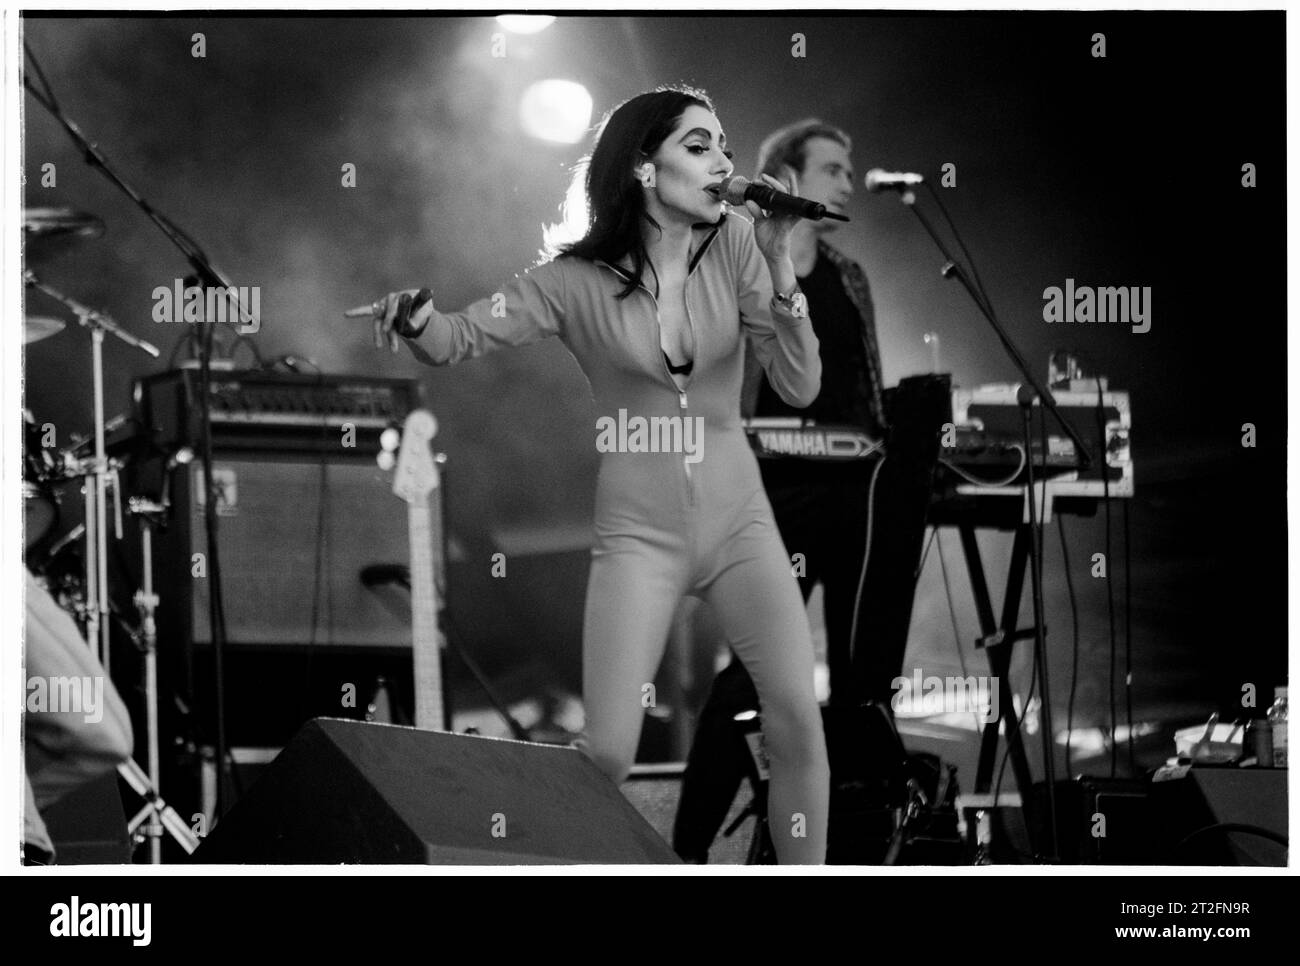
518, 23
556, 110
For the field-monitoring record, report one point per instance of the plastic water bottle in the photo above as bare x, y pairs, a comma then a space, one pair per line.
1258, 742
1277, 724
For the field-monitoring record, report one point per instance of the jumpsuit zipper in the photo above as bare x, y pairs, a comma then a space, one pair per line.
681, 393
686, 301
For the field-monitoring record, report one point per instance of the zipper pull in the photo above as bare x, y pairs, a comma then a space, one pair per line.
682, 398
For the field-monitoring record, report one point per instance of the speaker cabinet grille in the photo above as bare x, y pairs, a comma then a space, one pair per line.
293, 537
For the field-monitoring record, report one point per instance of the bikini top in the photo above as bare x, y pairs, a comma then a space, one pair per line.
683, 370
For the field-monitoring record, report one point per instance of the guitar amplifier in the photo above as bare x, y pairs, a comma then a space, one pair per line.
294, 530
294, 534
253, 410
298, 519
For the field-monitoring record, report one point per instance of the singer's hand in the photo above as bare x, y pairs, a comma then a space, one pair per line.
772, 231
403, 314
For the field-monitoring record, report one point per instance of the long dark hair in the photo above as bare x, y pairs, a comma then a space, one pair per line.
628, 135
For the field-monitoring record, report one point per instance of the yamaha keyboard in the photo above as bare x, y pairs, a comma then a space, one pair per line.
792, 437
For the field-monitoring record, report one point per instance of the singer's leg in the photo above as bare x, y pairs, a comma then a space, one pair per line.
759, 605
718, 758
632, 594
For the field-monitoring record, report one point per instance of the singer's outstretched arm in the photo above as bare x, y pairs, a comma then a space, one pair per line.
528, 309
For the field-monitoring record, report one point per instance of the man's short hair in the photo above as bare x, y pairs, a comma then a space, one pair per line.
788, 145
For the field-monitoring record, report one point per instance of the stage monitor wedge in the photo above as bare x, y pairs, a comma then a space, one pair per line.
355, 792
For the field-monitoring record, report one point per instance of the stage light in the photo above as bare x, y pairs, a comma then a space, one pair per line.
556, 110
518, 23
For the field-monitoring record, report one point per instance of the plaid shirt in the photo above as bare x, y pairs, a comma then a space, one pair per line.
858, 290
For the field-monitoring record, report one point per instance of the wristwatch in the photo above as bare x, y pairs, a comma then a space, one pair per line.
795, 302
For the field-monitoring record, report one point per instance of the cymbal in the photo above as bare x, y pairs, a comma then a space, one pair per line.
38, 327
48, 231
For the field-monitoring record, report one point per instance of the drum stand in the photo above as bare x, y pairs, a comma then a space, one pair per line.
96, 490
155, 811
158, 813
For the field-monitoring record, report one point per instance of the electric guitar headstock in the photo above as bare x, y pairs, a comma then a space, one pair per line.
417, 472
415, 481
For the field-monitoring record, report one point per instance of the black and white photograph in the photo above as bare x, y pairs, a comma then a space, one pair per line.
685, 438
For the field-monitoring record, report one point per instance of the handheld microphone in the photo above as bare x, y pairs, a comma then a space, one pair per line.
737, 190
878, 179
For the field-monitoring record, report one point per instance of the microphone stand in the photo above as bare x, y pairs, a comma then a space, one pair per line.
953, 269
208, 275
1032, 390
153, 817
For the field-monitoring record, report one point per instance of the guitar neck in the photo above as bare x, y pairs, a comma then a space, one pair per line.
425, 636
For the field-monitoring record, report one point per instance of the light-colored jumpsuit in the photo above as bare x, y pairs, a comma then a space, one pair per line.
666, 527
